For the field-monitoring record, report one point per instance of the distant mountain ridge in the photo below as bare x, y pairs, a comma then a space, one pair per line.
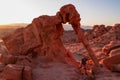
13, 25
17, 25
69, 27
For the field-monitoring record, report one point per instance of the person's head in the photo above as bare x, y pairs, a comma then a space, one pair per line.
69, 14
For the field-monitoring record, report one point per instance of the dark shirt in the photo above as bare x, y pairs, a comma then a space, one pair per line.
84, 61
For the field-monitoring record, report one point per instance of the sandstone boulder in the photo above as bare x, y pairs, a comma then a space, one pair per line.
111, 48
27, 73
69, 37
108, 27
12, 72
115, 52
22, 41
38, 43
110, 61
42, 36
89, 34
96, 32
99, 30
7, 59
3, 49
13, 43
111, 35
2, 66
24, 60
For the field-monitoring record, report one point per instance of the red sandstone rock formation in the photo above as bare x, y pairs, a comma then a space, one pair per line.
99, 30
108, 27
3, 49
113, 50
88, 34
111, 35
7, 59
111, 47
40, 41
110, 61
69, 37
12, 72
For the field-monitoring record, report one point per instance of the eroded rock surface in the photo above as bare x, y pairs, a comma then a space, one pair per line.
99, 30
39, 43
111, 35
113, 51
111, 48
37, 52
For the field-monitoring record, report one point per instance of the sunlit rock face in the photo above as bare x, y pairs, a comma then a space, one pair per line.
101, 35
110, 44
113, 51
99, 30
111, 35
111, 47
37, 46
42, 36
108, 39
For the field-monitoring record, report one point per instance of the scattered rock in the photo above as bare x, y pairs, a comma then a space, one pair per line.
115, 52
111, 48
111, 35
7, 59
99, 30
40, 41
2, 66
27, 73
12, 72
110, 61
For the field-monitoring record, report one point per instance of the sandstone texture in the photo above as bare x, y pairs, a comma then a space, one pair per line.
37, 52
111, 35
112, 48
99, 30
39, 44
113, 51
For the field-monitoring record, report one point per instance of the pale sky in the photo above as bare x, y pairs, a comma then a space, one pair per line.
92, 11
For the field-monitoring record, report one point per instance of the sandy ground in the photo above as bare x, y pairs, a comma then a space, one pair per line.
55, 71
107, 75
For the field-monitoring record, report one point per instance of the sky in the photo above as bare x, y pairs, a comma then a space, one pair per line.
91, 11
